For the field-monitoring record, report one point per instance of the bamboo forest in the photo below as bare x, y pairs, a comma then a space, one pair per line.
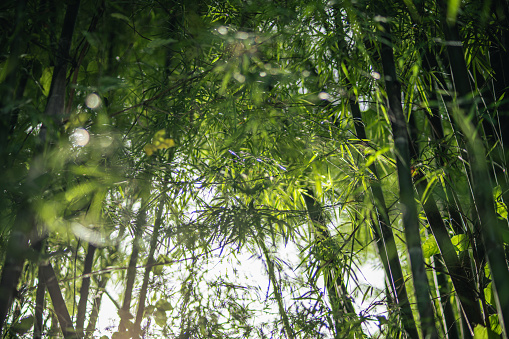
290, 169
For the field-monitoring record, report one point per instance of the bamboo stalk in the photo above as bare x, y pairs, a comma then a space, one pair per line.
341, 304
124, 312
24, 224
277, 291
148, 268
382, 232
96, 306
85, 287
490, 226
64, 319
407, 199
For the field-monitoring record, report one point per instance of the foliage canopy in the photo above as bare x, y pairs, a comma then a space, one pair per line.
225, 169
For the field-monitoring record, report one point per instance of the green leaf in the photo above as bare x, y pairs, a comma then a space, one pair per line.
497, 192
80, 191
480, 332
163, 305
488, 294
149, 309
495, 324
23, 325
157, 269
502, 209
45, 80
495, 330
160, 318
93, 67
430, 247
461, 242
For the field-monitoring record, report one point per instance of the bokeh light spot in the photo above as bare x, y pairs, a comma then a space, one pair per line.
93, 101
323, 96
239, 77
222, 30
80, 137
242, 35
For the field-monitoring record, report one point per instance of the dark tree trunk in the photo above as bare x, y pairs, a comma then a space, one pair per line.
39, 306
64, 319
382, 232
340, 302
125, 311
24, 224
96, 306
148, 268
410, 218
85, 287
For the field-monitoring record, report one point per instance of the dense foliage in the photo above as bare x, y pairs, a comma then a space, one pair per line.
226, 169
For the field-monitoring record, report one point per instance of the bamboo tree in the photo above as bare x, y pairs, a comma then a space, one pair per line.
39, 304
64, 319
410, 218
124, 312
383, 234
469, 312
450, 323
342, 306
85, 286
93, 217
464, 287
490, 225
236, 93
276, 290
24, 224
148, 266
96, 306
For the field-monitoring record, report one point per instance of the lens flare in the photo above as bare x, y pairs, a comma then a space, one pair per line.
93, 101
80, 137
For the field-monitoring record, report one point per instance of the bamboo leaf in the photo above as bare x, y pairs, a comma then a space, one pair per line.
430, 248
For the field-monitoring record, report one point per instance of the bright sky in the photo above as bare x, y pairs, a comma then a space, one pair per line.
252, 272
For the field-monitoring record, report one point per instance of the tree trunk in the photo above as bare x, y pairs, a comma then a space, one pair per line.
148, 267
407, 199
490, 226
64, 319
125, 311
85, 287
39, 305
382, 232
336, 289
24, 223
96, 306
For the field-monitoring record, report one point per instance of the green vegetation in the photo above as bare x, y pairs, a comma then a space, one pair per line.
224, 168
